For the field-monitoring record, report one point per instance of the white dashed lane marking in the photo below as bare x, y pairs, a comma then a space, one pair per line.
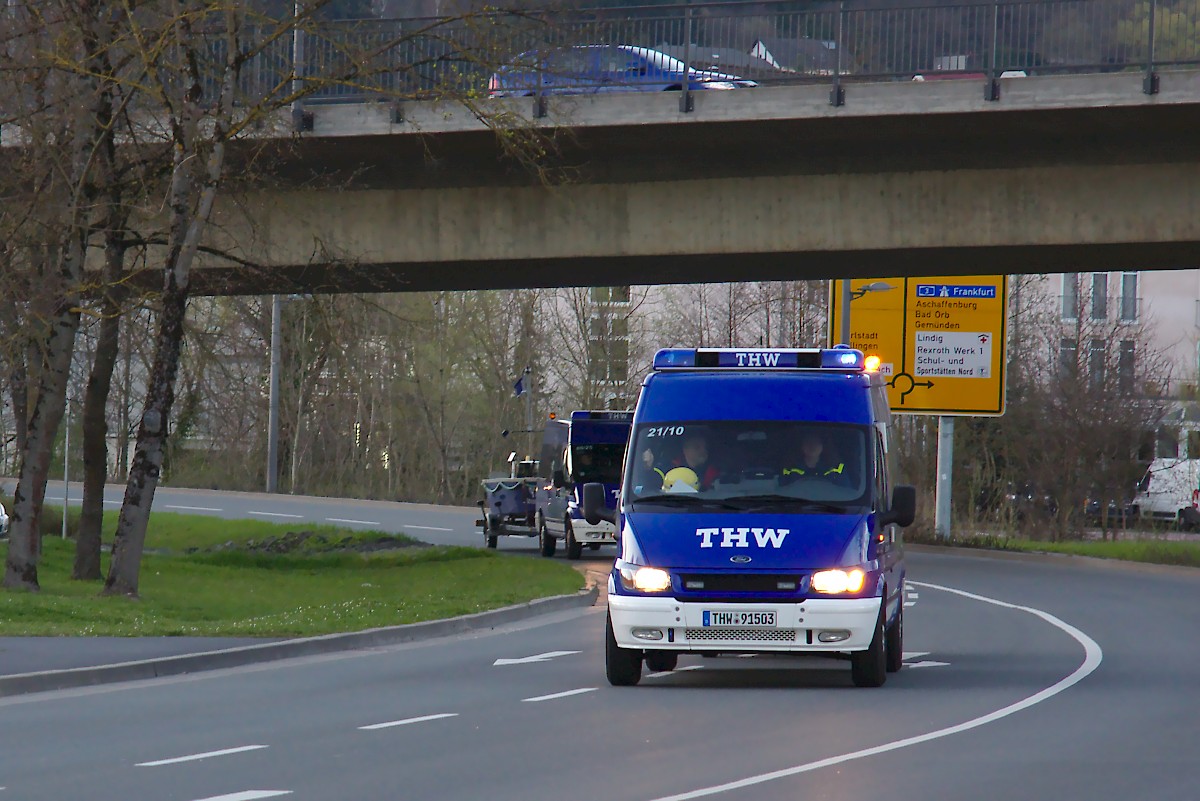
426, 528
247, 795
274, 514
551, 697
192, 508
407, 721
196, 757
352, 522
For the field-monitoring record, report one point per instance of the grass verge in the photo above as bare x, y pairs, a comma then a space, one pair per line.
1149, 549
334, 580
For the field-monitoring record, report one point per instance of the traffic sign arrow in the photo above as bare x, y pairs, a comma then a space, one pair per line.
528, 660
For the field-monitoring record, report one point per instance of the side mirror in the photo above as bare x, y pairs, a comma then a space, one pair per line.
903, 508
558, 478
594, 509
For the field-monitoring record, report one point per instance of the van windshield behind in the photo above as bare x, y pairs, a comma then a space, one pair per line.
600, 463
744, 464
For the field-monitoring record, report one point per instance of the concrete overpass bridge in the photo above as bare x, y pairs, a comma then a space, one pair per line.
1061, 173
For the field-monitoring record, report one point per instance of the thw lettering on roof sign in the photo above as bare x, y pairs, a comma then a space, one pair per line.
756, 359
740, 537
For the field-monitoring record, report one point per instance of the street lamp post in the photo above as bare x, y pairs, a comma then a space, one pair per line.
849, 294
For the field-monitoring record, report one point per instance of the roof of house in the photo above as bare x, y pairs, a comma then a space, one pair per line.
799, 55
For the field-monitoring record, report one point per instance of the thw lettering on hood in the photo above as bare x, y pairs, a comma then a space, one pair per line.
741, 537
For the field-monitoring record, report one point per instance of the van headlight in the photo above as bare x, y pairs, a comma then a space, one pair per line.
645, 579
838, 581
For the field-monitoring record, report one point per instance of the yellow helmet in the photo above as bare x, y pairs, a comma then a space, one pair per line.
681, 479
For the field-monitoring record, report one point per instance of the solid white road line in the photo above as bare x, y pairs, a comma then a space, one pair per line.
580, 691
426, 528
353, 522
1092, 656
247, 795
193, 508
274, 514
407, 721
195, 757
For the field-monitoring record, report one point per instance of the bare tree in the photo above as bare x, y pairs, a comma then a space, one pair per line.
69, 105
1081, 399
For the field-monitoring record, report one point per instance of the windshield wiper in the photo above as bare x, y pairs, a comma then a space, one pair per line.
685, 500
758, 501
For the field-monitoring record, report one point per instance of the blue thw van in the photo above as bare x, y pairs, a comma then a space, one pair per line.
757, 514
589, 448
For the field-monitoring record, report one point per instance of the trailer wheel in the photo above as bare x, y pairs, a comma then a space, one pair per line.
574, 548
490, 539
548, 544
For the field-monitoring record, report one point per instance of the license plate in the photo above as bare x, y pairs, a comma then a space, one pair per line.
738, 619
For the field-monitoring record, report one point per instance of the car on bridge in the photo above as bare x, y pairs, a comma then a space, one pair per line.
596, 69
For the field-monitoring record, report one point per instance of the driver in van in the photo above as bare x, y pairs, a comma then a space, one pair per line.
815, 459
694, 456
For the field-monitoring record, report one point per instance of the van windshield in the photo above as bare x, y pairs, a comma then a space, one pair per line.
746, 464
600, 463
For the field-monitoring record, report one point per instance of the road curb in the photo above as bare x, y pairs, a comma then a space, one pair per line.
44, 681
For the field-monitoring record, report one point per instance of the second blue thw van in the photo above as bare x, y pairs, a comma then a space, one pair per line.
757, 514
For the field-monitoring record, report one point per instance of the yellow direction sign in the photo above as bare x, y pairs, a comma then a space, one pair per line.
940, 339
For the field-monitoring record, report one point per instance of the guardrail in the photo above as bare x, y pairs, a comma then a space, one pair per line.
769, 42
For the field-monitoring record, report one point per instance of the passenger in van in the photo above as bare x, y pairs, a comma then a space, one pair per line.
694, 456
815, 460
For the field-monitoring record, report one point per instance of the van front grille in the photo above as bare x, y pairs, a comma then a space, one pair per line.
740, 635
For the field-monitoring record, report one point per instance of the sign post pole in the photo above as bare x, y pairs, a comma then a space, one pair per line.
945, 470
941, 341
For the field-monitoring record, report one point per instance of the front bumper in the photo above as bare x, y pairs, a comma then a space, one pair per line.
797, 630
604, 533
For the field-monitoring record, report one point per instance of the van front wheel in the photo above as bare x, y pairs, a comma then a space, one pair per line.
661, 661
623, 666
574, 547
894, 641
869, 668
547, 543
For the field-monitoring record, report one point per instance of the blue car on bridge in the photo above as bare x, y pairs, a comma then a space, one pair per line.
595, 69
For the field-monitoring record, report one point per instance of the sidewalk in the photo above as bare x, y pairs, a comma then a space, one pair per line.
39, 664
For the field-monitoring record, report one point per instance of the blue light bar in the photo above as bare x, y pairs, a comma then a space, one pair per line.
840, 358
674, 357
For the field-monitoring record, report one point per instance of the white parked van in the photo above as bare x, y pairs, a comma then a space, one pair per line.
1169, 491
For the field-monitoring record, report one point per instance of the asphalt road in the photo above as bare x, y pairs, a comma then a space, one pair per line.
1026, 678
437, 525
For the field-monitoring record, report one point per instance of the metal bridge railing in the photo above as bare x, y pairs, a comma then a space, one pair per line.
769, 42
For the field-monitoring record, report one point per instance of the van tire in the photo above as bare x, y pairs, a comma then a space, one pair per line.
662, 661
574, 549
547, 543
869, 668
894, 640
622, 666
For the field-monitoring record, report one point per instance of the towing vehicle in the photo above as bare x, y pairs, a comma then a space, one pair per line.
757, 514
